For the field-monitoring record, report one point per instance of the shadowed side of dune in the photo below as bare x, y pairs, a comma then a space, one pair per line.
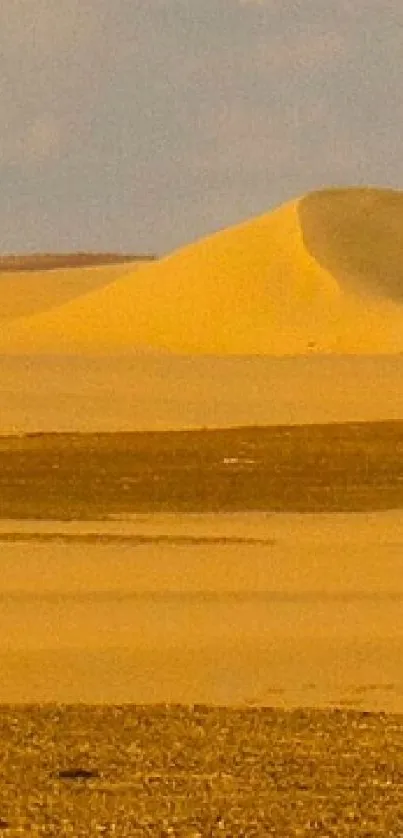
357, 235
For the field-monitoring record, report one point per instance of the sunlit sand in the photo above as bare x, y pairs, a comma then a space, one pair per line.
307, 610
279, 284
157, 392
26, 292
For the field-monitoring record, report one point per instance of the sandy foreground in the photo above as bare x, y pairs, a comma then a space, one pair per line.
202, 675
286, 610
199, 771
169, 673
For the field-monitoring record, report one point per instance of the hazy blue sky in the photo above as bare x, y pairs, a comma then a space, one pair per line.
144, 124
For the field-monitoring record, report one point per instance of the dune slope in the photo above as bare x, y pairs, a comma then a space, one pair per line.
308, 277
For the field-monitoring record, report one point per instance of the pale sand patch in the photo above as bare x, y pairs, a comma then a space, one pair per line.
313, 616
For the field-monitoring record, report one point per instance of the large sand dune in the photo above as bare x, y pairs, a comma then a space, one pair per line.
323, 273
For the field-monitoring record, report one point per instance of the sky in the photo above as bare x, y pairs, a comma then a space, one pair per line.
142, 125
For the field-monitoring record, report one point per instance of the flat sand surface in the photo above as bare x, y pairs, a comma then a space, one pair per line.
199, 771
252, 608
156, 392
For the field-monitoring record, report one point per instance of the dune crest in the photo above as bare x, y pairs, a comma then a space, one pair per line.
290, 282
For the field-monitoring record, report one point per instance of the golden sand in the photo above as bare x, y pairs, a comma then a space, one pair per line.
27, 292
273, 285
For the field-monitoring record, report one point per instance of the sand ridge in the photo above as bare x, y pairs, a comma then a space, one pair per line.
267, 286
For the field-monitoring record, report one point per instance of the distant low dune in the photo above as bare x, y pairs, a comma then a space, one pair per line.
322, 274
38, 282
12, 262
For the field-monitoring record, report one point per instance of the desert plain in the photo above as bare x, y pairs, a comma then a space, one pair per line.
201, 533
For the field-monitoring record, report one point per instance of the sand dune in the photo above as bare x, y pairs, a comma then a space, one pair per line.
321, 274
